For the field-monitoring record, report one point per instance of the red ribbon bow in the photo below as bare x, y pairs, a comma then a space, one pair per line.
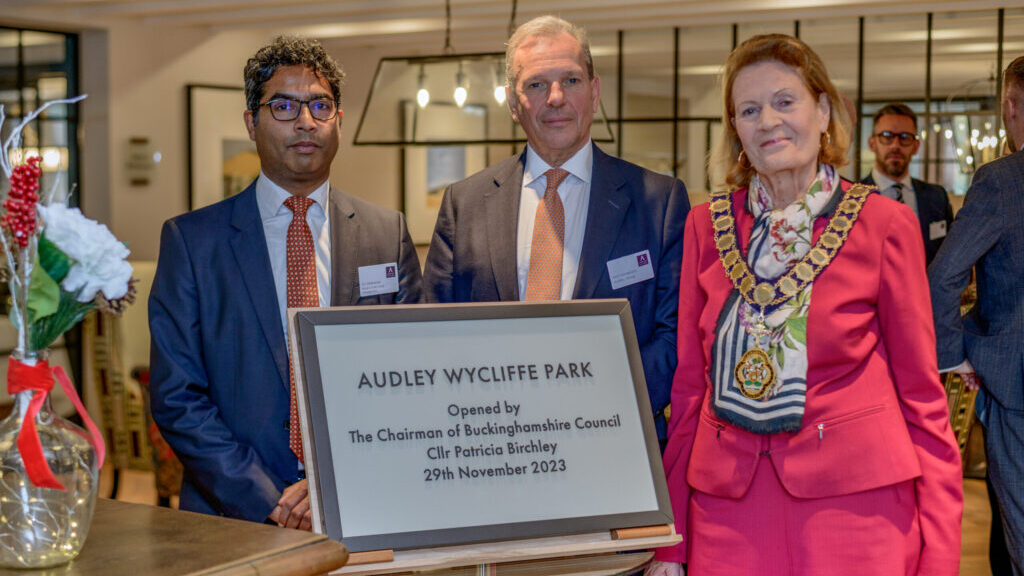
39, 379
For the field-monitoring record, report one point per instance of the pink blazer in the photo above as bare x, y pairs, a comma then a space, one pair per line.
876, 412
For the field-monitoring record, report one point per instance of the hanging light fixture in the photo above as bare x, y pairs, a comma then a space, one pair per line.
422, 95
499, 86
964, 113
461, 88
414, 87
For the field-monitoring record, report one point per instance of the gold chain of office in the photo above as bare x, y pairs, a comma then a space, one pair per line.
768, 296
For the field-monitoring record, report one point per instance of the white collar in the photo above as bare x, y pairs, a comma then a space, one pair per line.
884, 182
580, 164
270, 197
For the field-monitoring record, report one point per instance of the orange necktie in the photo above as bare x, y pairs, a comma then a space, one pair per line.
544, 280
302, 292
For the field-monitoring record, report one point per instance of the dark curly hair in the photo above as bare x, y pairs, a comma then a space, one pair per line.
289, 51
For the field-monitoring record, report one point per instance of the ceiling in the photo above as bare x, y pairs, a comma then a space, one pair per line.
416, 21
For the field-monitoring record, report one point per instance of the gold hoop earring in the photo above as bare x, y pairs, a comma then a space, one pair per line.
740, 158
828, 138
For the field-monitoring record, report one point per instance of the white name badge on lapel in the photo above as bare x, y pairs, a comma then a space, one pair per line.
630, 269
937, 230
378, 279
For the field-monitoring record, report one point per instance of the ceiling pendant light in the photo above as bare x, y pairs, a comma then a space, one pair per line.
422, 95
461, 91
424, 100
499, 86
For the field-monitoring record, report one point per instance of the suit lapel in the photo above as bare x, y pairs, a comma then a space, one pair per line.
249, 245
606, 211
344, 249
925, 210
502, 222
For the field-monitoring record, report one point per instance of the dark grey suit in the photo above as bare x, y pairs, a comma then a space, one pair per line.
472, 255
988, 234
219, 360
932, 206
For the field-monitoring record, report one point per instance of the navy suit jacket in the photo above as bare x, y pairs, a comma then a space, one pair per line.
472, 255
219, 364
932, 206
988, 234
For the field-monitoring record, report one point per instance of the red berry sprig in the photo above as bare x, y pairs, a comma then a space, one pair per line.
20, 207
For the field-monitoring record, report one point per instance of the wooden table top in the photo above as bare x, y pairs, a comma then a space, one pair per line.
133, 539
597, 565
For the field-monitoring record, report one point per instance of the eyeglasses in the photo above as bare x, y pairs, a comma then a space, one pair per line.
288, 109
906, 138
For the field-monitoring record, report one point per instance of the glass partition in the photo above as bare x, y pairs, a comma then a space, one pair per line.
836, 41
647, 60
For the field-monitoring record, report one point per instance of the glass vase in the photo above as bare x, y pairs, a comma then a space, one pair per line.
43, 527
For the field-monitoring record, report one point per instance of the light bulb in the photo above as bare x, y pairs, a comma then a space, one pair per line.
499, 94
422, 95
461, 93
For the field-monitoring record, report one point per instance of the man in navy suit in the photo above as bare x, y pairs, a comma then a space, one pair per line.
894, 141
620, 226
987, 346
220, 373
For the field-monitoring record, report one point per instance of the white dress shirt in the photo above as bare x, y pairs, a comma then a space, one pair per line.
276, 218
575, 194
885, 186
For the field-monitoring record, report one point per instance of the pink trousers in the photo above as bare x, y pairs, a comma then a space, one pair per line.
768, 532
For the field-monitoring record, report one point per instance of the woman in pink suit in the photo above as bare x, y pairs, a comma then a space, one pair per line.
809, 432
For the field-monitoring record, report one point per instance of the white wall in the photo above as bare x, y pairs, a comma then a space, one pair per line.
137, 77
146, 70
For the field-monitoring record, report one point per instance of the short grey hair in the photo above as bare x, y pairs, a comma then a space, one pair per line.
289, 51
544, 26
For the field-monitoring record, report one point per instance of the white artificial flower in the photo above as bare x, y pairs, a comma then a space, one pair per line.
97, 257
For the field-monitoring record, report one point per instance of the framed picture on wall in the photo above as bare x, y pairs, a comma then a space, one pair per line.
430, 169
222, 160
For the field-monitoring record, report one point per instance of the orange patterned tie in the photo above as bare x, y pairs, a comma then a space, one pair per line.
302, 292
544, 280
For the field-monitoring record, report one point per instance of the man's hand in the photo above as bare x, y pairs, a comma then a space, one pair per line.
657, 568
970, 377
292, 509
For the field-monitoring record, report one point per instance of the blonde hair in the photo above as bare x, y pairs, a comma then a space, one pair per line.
793, 53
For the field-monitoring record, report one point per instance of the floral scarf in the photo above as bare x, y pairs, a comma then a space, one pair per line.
780, 238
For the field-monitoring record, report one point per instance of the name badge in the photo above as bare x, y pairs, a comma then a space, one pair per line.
378, 279
630, 269
937, 230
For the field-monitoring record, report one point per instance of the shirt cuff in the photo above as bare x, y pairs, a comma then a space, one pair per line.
960, 368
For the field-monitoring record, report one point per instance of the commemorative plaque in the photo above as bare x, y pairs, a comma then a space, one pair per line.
436, 425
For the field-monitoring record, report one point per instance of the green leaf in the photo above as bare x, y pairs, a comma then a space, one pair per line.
798, 328
55, 262
43, 294
69, 312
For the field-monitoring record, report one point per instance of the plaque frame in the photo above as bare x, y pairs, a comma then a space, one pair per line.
324, 495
